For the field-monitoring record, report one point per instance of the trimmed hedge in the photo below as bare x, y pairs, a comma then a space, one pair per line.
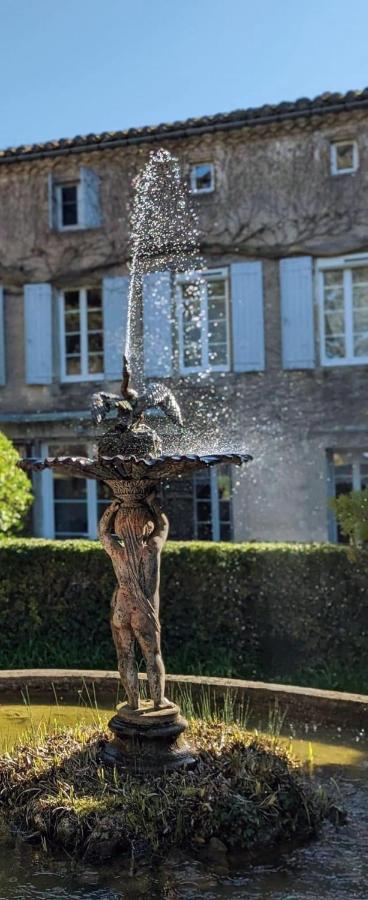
274, 611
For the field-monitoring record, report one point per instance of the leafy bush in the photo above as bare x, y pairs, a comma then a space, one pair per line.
351, 511
15, 489
273, 611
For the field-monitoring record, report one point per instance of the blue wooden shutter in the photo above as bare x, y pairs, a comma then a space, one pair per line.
247, 316
2, 337
90, 210
115, 312
157, 325
38, 333
52, 201
297, 325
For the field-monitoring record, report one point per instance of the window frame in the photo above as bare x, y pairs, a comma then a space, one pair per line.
333, 157
220, 274
48, 501
346, 263
85, 375
193, 178
58, 187
215, 501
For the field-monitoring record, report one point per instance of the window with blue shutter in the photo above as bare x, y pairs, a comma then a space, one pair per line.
247, 316
115, 293
38, 333
297, 321
157, 325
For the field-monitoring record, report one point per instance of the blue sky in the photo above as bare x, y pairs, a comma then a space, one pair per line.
76, 66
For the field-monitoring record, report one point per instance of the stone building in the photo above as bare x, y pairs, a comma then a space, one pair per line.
274, 349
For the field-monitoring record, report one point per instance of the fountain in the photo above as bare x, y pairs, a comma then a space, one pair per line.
147, 735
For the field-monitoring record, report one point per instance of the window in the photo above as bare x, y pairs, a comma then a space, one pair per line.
67, 205
81, 329
202, 178
343, 294
203, 312
72, 506
212, 504
344, 157
74, 203
349, 471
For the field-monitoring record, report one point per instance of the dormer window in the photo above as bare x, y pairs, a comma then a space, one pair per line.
202, 178
344, 157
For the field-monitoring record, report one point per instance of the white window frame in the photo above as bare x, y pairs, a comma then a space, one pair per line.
209, 274
215, 508
193, 178
48, 501
347, 263
59, 206
333, 157
85, 375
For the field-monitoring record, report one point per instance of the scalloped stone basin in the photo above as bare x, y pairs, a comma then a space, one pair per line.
107, 468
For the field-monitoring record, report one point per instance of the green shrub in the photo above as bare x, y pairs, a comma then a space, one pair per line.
273, 611
15, 489
351, 511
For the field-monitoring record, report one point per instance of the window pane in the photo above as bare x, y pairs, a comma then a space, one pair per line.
333, 277
217, 355
334, 324
361, 345
103, 491
71, 518
204, 511
344, 156
225, 531
95, 342
71, 300
225, 511
72, 322
217, 332
95, 320
69, 205
94, 300
203, 491
203, 177
333, 299
67, 488
73, 365
224, 483
360, 275
95, 363
335, 347
204, 532
72, 343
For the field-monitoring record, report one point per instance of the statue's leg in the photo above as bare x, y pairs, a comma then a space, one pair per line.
124, 640
149, 641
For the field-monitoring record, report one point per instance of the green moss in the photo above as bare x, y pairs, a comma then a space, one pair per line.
271, 611
246, 791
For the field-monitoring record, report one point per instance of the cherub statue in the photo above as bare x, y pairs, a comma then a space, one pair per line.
134, 536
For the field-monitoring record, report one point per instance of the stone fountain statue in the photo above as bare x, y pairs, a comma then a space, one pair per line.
148, 735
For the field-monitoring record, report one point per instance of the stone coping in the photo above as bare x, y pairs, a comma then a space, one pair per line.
300, 704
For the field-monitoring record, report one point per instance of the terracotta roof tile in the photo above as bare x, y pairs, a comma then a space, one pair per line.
303, 107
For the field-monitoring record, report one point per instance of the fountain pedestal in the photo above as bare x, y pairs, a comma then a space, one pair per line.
148, 739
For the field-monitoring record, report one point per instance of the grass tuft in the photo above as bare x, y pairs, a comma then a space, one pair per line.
246, 791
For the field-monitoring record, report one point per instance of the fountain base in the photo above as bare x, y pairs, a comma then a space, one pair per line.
148, 739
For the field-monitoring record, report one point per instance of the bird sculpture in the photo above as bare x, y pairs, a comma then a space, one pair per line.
129, 434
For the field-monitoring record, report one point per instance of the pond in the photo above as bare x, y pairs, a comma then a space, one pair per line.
333, 867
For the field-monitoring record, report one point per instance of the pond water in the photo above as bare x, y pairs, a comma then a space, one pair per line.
334, 867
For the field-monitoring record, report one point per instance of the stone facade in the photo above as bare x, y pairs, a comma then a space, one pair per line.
274, 198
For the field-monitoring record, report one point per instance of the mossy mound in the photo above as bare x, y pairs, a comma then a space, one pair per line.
246, 791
